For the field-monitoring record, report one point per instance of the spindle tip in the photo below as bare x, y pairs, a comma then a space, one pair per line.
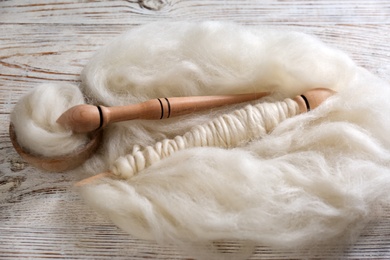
311, 99
317, 96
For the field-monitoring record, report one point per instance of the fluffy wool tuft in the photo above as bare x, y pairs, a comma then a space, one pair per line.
317, 178
209, 58
34, 118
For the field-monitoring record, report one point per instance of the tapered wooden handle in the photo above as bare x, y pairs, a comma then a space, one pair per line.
161, 108
87, 118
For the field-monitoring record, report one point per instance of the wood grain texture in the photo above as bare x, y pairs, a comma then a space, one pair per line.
41, 216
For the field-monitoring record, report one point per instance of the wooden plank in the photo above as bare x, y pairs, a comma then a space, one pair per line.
42, 41
246, 11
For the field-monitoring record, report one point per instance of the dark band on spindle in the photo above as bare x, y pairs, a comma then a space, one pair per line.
306, 103
101, 117
169, 107
162, 108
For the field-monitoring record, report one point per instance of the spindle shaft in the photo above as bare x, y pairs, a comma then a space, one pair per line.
87, 118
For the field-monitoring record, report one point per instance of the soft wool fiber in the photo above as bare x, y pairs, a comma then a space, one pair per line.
34, 118
315, 179
210, 58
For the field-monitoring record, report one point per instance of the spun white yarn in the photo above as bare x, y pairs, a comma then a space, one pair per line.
226, 131
315, 179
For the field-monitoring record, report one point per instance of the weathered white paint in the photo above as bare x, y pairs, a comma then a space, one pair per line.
47, 40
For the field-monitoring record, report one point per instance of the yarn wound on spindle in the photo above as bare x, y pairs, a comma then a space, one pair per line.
226, 131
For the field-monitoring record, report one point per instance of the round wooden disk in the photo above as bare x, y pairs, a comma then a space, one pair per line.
58, 163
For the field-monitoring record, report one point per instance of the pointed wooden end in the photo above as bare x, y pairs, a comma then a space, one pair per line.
313, 98
317, 96
94, 178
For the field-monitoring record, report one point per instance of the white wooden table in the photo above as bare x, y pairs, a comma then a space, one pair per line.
42, 41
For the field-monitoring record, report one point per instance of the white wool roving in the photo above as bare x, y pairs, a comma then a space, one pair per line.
317, 178
209, 58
